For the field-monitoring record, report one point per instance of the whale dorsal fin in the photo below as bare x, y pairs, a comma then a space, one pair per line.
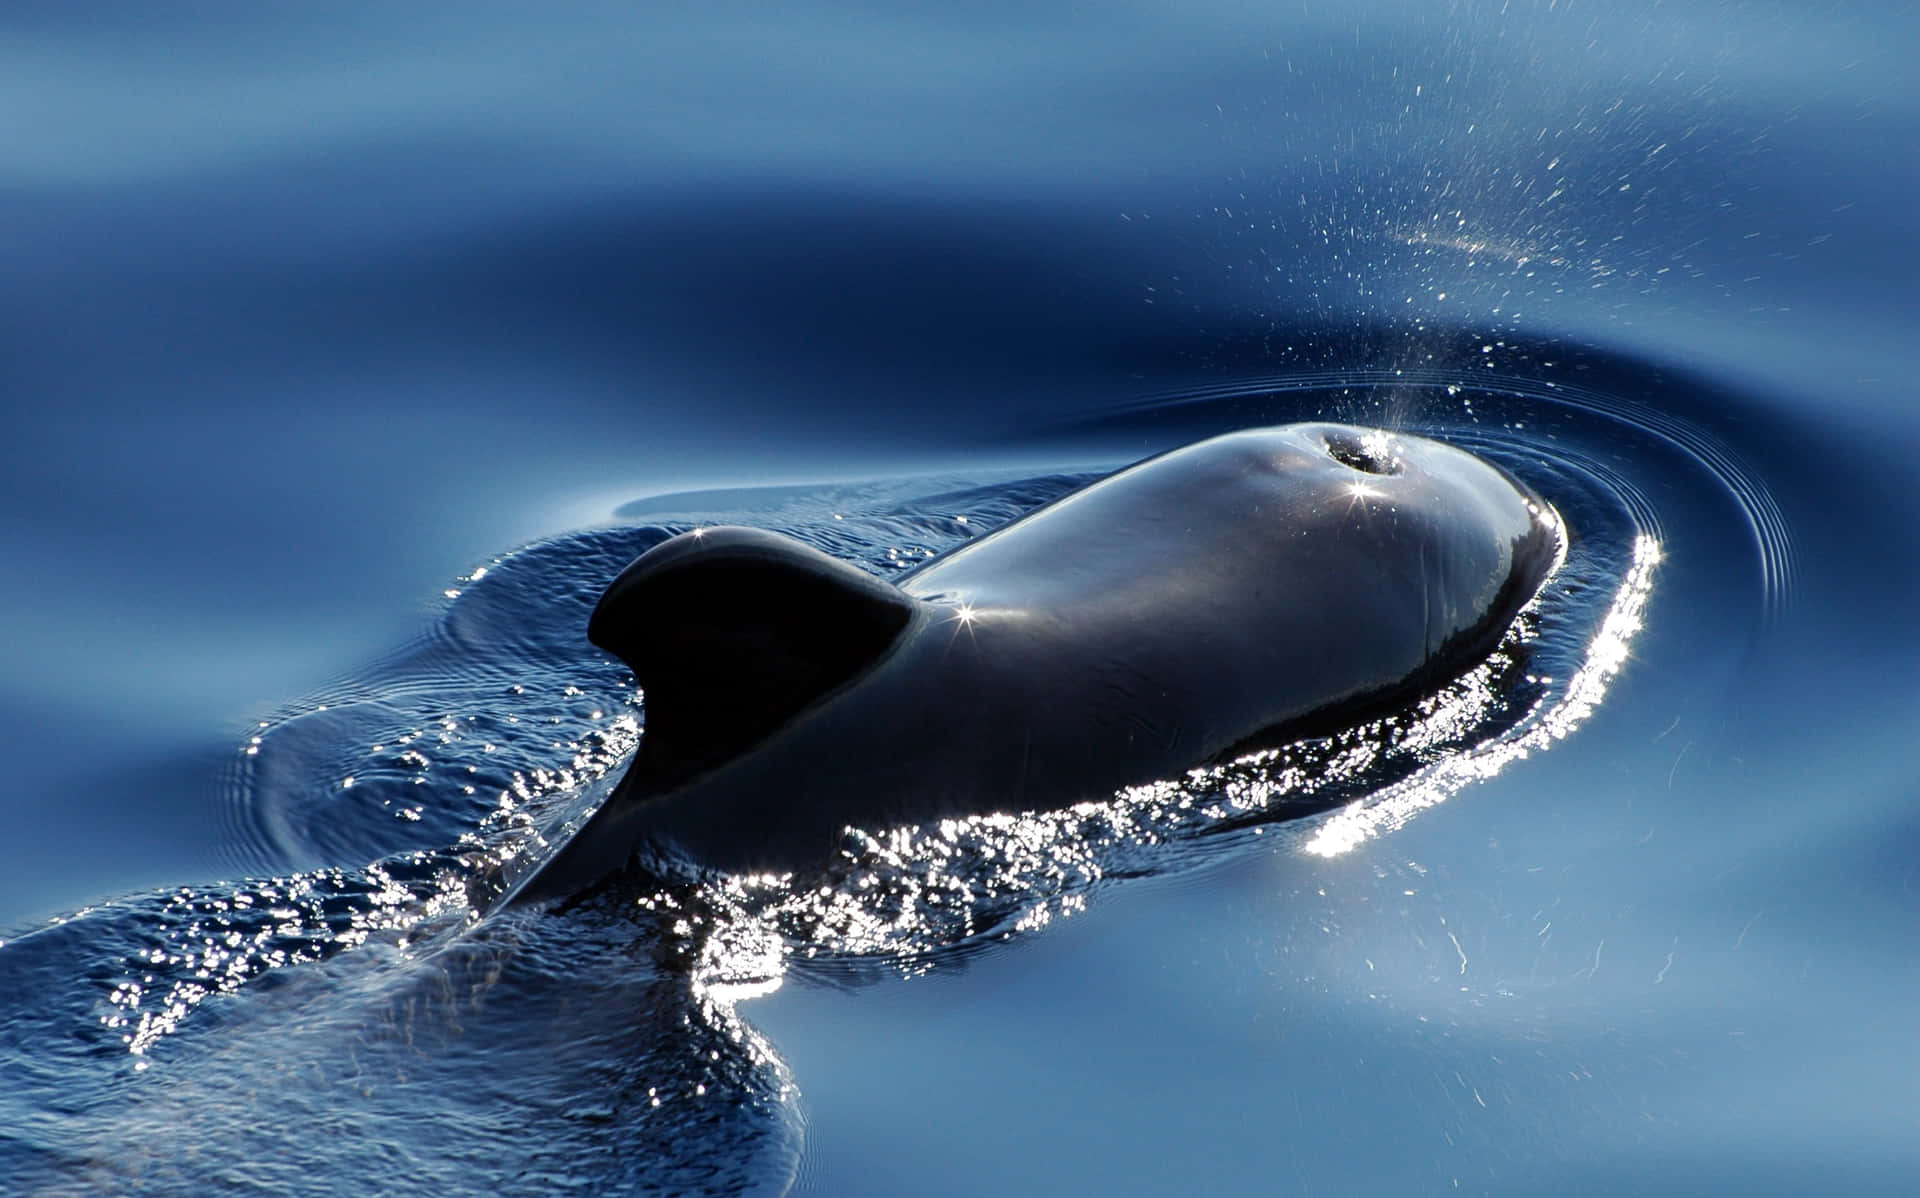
731, 632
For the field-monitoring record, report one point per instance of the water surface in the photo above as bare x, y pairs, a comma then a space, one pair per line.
309, 321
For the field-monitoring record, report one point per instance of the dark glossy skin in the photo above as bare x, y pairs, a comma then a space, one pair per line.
1216, 597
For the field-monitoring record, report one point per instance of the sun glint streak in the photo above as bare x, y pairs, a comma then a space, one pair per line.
1607, 653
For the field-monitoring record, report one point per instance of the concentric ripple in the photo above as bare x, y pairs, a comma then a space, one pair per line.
1460, 405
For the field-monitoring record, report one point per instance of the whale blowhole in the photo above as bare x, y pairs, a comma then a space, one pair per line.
1371, 454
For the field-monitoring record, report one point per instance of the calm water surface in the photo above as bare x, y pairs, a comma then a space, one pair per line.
347, 357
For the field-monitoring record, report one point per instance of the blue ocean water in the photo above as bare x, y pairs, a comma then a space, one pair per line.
348, 354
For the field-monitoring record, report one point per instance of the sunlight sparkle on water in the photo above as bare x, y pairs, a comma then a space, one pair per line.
1607, 652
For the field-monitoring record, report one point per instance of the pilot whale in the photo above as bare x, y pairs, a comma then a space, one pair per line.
1241, 591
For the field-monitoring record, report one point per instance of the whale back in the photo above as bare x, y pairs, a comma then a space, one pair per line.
730, 633
1239, 586
1253, 587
